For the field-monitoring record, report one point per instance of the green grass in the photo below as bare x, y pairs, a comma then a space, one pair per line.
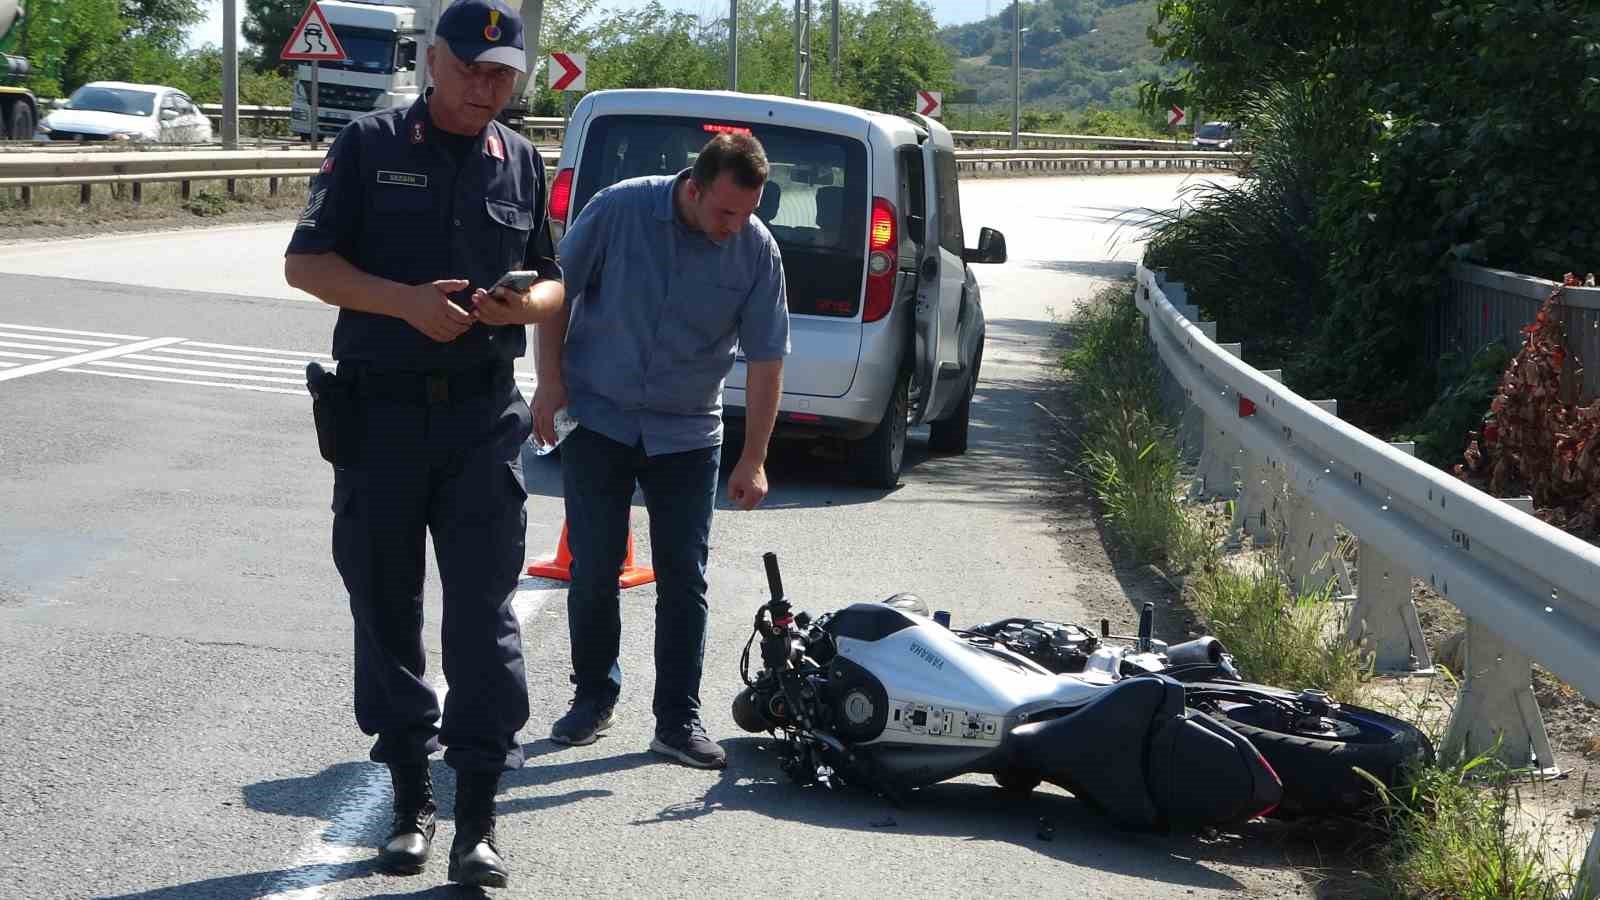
60, 205
1293, 639
1454, 832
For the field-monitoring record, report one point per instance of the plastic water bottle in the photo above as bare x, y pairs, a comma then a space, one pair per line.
565, 424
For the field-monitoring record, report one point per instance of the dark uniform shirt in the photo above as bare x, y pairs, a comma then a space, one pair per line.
395, 201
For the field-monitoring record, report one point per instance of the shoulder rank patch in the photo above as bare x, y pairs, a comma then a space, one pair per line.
495, 147
407, 179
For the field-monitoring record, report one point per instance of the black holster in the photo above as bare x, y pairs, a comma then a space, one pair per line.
333, 408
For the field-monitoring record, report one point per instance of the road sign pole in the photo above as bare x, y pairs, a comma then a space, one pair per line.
316, 130
230, 75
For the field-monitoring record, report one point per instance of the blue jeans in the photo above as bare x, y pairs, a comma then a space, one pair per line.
599, 475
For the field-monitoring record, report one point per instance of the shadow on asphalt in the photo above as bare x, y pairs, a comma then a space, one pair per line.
996, 463
753, 782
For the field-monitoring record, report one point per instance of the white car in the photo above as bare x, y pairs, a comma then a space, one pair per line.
117, 111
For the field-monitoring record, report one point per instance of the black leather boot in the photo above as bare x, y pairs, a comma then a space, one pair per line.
474, 859
415, 818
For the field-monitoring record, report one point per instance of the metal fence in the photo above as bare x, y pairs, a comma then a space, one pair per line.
1491, 305
24, 173
1298, 476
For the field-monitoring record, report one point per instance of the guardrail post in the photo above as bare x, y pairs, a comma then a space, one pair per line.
1310, 544
1384, 617
83, 194
1495, 708
138, 193
27, 196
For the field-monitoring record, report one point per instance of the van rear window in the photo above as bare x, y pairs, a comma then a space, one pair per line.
815, 201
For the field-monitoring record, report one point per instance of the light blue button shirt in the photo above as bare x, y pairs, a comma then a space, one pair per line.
658, 312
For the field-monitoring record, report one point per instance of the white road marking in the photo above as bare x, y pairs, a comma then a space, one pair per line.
92, 334
168, 360
136, 367
220, 384
54, 340
211, 354
63, 362
287, 369
294, 353
366, 799
18, 345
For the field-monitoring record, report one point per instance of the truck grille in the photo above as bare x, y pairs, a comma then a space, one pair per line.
344, 96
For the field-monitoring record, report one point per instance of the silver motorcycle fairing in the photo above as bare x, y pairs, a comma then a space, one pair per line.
944, 691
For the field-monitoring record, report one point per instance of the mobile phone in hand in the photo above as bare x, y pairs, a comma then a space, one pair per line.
517, 280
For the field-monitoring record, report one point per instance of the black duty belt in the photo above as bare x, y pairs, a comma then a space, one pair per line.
425, 388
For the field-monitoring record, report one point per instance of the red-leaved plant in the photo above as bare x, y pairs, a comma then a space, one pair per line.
1535, 443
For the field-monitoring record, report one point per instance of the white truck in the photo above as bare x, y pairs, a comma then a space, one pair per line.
386, 62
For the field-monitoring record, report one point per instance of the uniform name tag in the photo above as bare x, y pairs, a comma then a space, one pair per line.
409, 179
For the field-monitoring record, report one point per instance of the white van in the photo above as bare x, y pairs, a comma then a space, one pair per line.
886, 321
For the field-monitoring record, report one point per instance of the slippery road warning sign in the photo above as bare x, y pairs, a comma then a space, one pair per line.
313, 39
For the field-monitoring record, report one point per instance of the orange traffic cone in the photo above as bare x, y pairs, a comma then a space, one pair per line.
560, 568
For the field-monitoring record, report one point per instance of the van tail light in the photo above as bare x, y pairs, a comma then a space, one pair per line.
883, 248
561, 196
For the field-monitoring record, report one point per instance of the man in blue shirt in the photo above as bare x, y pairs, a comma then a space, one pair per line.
414, 216
669, 278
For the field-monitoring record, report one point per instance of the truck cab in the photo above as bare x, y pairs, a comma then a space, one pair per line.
384, 65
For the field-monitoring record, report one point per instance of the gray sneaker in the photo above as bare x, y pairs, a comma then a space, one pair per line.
583, 722
690, 746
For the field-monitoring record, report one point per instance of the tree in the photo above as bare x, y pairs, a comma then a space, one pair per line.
162, 23
267, 25
897, 52
71, 42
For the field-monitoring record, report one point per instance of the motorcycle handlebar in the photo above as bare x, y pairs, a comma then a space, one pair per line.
774, 580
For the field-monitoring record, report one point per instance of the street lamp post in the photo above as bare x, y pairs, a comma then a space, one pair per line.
733, 45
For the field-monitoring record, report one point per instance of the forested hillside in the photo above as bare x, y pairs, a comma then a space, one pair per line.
1076, 54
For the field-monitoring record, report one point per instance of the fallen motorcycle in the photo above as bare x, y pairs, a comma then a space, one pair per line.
1317, 747
883, 696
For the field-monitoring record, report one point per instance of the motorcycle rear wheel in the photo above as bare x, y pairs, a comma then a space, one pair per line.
1317, 761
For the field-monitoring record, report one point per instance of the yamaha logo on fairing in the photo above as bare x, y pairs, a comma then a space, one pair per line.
932, 658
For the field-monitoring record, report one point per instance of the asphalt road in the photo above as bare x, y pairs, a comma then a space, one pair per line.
176, 643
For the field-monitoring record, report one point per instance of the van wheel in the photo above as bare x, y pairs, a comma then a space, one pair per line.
950, 435
877, 458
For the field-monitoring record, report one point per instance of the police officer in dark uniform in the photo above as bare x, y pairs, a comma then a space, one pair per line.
414, 217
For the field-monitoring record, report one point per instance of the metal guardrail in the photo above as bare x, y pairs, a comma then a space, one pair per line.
1296, 471
1492, 305
552, 127
26, 172
1035, 140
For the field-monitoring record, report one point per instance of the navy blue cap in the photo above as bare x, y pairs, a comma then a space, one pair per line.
484, 31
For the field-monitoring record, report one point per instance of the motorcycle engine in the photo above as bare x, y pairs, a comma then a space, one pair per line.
856, 702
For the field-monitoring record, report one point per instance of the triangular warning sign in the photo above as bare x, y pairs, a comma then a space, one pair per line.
313, 39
